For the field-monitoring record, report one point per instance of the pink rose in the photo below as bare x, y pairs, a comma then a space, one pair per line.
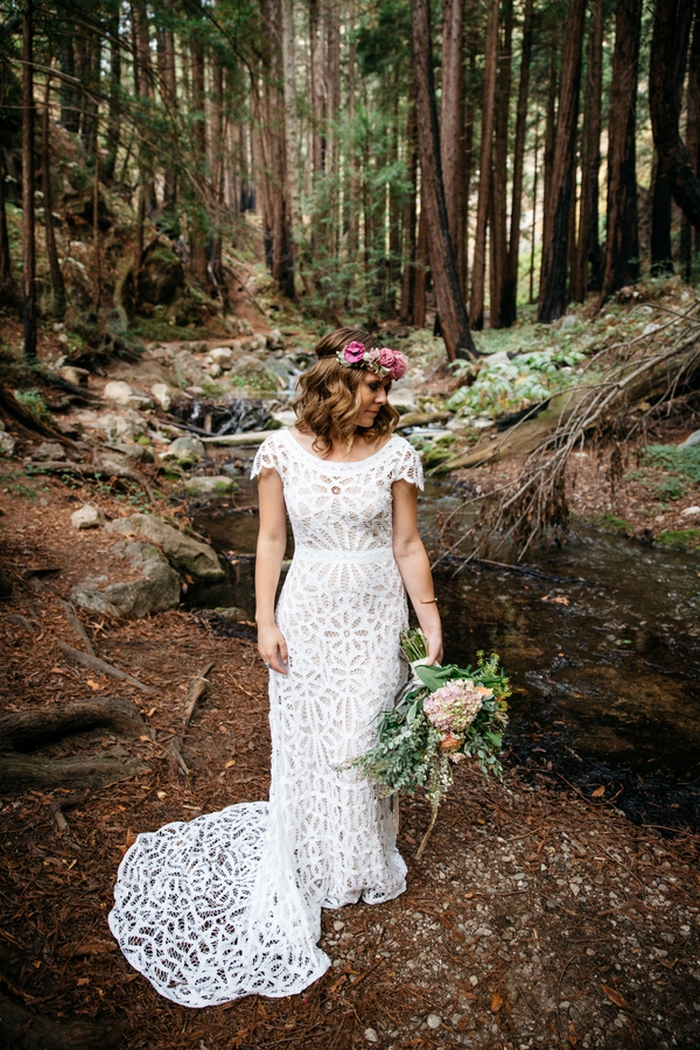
395, 361
354, 352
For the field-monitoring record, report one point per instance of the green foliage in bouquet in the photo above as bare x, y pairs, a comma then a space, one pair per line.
416, 749
442, 716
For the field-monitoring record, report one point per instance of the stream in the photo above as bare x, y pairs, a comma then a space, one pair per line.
601, 639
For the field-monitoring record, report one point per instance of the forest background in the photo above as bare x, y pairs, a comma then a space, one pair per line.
490, 154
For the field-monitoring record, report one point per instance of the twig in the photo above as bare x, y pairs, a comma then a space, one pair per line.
198, 687
95, 664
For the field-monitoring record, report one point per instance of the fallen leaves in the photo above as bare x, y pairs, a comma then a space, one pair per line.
614, 996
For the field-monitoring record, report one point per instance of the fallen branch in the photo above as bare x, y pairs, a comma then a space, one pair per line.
95, 664
198, 687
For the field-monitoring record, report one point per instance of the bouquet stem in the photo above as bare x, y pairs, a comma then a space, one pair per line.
431, 825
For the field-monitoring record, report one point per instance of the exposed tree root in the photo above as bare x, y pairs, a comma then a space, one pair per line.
95, 664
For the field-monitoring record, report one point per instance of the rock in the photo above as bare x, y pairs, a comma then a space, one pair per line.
690, 512
87, 517
187, 367
433, 1021
73, 374
185, 450
285, 418
275, 340
371, 1036
182, 552
48, 451
206, 485
215, 371
157, 589
141, 453
118, 391
114, 425
161, 393
7, 444
691, 441
223, 357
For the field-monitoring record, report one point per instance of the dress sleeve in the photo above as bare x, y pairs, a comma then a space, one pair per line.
266, 456
407, 465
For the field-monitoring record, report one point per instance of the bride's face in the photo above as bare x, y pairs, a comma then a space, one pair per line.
373, 394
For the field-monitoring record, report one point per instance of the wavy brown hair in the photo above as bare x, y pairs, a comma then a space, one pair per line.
328, 396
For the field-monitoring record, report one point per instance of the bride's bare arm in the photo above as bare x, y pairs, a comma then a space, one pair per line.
272, 540
414, 566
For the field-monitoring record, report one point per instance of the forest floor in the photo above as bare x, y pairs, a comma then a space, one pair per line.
537, 917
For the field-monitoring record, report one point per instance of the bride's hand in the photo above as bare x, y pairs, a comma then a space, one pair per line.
435, 651
273, 648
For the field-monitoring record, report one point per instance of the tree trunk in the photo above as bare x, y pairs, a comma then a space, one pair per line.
143, 87
290, 125
487, 121
57, 283
499, 235
317, 95
622, 242
510, 285
8, 289
109, 165
421, 279
533, 231
408, 280
91, 91
452, 129
669, 49
660, 233
453, 314
199, 238
70, 104
588, 249
555, 241
168, 94
692, 138
28, 244
472, 42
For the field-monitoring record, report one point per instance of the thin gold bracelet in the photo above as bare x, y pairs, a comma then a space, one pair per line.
429, 601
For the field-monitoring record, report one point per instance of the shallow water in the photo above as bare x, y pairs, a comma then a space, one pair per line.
601, 640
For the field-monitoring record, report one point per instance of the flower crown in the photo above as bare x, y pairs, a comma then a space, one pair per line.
383, 362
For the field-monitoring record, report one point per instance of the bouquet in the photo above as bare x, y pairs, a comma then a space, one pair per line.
441, 716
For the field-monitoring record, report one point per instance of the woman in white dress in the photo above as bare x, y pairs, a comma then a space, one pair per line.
230, 903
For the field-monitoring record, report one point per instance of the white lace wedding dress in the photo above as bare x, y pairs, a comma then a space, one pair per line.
229, 904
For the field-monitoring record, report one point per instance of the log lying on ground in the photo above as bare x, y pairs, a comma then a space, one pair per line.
23, 1030
106, 468
634, 382
422, 419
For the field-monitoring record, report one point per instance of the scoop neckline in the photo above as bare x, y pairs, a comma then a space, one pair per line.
336, 462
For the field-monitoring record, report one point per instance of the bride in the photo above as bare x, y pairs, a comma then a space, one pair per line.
230, 903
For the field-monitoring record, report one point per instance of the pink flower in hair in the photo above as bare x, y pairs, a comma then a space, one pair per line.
394, 361
354, 352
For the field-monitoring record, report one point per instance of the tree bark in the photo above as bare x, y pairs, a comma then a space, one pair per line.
199, 255
453, 314
8, 289
317, 94
57, 283
291, 147
692, 138
622, 243
669, 49
408, 280
555, 241
510, 284
588, 266
660, 233
487, 120
452, 129
109, 165
27, 730
499, 174
28, 243
168, 94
